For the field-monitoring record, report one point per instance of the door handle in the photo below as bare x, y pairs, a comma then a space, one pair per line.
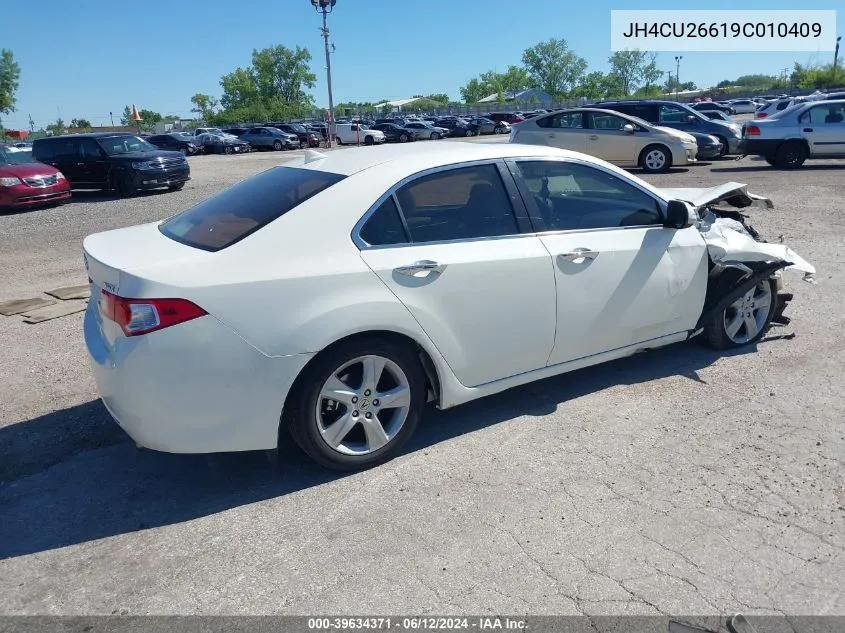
594, 137
422, 266
578, 254
551, 135
808, 129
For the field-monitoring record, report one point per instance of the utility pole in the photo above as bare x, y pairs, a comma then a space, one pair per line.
31, 124
836, 57
678, 59
325, 7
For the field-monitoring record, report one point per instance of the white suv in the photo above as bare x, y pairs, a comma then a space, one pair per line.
355, 133
815, 129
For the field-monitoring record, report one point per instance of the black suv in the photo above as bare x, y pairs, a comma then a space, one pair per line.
680, 117
121, 162
175, 142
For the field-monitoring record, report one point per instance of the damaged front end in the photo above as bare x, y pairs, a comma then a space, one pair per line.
739, 258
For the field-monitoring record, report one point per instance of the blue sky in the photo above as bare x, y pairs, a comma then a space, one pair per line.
90, 57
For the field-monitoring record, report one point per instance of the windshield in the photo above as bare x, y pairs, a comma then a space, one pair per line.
697, 114
297, 127
116, 145
15, 156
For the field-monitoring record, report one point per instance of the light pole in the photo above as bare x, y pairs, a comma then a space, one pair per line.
325, 7
678, 59
836, 57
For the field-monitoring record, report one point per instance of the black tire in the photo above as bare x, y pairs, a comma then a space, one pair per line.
177, 186
791, 155
369, 140
771, 160
124, 185
435, 136
403, 138
654, 168
725, 148
300, 415
337, 140
184, 151
716, 336
469, 133
227, 149
277, 145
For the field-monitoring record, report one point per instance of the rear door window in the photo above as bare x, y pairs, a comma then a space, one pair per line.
239, 211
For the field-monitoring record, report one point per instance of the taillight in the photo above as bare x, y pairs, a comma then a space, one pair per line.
760, 115
142, 316
752, 130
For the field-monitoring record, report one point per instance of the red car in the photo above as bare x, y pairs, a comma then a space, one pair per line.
26, 183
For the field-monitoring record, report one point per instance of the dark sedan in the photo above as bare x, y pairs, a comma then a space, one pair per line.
394, 133
489, 126
175, 142
712, 105
457, 127
709, 147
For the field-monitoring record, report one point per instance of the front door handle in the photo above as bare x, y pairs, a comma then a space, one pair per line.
578, 255
422, 266
808, 129
551, 135
594, 137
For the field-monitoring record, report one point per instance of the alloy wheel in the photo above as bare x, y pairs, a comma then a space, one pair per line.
655, 160
746, 316
363, 405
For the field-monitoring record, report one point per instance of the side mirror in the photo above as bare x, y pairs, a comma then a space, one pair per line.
628, 128
678, 215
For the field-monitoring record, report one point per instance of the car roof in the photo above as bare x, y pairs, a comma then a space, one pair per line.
356, 159
88, 135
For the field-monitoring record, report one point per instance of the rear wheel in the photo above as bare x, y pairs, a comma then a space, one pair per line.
746, 320
337, 140
357, 403
655, 159
791, 155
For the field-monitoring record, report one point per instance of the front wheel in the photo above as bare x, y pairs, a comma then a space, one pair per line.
655, 159
435, 136
357, 403
403, 138
468, 133
337, 140
227, 149
369, 140
125, 185
277, 145
746, 320
725, 147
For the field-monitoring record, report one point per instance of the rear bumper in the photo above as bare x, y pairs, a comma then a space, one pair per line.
734, 145
196, 387
761, 147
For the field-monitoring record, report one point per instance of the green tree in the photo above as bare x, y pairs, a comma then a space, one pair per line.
84, 124
150, 118
440, 98
56, 128
598, 85
553, 67
126, 117
10, 73
240, 89
204, 105
474, 90
515, 79
651, 75
628, 67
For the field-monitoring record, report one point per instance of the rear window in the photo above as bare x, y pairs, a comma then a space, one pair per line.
237, 212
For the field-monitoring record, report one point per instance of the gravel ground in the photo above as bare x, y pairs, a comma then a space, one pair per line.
679, 481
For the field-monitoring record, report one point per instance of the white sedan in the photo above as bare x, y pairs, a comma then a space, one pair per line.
333, 298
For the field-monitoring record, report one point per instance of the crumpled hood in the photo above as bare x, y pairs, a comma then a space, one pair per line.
733, 193
727, 240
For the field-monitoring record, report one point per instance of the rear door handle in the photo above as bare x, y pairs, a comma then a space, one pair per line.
422, 266
594, 137
578, 255
808, 129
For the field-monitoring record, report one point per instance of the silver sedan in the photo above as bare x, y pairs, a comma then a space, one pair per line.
270, 137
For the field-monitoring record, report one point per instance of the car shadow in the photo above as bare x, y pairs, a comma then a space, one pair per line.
671, 170
767, 167
91, 196
73, 476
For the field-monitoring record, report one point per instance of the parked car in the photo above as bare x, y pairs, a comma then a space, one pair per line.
455, 127
716, 115
209, 130
426, 130
222, 144
354, 133
709, 147
175, 142
394, 133
270, 138
399, 299
510, 118
25, 183
681, 117
778, 105
113, 161
306, 138
489, 126
320, 129
815, 129
235, 131
617, 138
712, 105
743, 106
